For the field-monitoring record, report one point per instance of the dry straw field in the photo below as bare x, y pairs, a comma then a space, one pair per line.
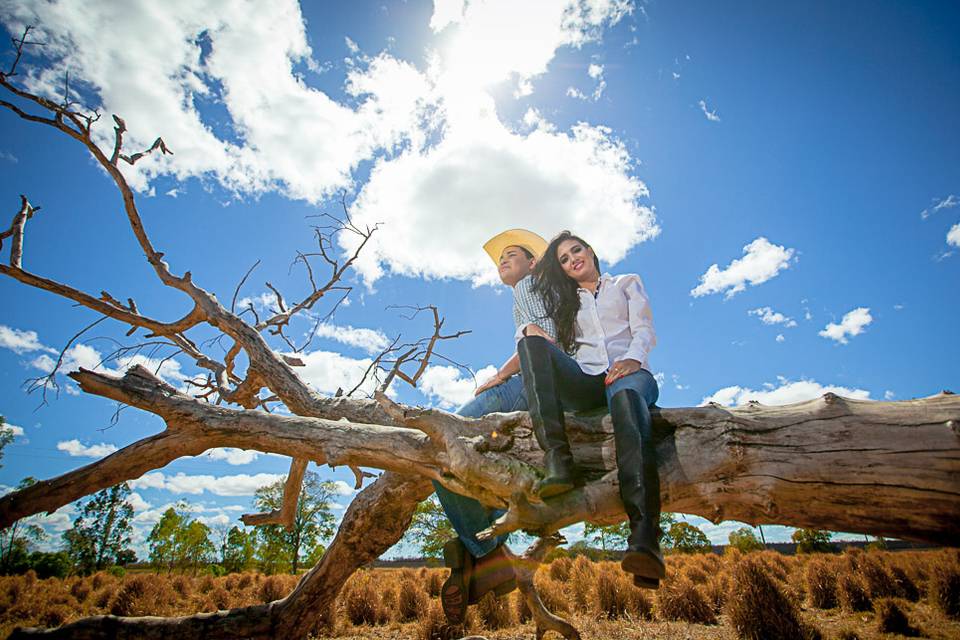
758, 596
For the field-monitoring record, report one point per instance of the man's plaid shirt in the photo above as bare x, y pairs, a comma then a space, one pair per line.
528, 308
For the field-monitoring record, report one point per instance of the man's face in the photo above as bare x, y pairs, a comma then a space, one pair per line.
514, 265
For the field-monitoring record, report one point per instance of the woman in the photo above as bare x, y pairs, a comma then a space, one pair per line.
606, 324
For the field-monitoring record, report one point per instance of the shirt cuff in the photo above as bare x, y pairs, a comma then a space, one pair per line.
638, 354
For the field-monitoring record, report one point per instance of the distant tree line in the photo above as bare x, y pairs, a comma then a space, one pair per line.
430, 529
101, 536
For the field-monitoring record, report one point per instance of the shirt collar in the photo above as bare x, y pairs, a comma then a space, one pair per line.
603, 279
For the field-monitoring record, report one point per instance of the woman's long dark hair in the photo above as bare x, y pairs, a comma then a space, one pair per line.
559, 291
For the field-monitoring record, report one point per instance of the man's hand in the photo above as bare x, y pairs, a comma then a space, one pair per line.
621, 368
490, 384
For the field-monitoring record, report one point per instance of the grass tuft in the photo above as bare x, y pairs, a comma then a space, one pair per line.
679, 599
758, 609
892, 619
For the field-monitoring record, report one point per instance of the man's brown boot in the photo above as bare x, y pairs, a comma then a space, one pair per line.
456, 589
492, 572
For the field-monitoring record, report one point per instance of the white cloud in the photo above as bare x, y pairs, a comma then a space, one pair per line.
478, 178
235, 485
769, 316
151, 515
449, 387
947, 203
889, 395
446, 12
479, 173
266, 301
710, 115
280, 134
83, 356
953, 236
14, 429
327, 371
137, 502
370, 340
219, 519
595, 71
498, 38
56, 522
21, 342
440, 153
780, 337
75, 449
787, 392
341, 488
852, 324
231, 455
761, 261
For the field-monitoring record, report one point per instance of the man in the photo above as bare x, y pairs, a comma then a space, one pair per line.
478, 567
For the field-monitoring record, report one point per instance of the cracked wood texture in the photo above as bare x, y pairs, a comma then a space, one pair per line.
883, 468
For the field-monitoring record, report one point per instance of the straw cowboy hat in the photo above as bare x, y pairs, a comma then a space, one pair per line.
514, 238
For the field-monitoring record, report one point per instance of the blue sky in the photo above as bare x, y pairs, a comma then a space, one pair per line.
810, 152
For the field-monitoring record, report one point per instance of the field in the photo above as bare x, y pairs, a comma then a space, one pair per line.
758, 596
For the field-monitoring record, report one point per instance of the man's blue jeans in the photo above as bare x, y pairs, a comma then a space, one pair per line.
467, 515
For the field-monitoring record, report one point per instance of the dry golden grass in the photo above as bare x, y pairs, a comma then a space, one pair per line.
892, 619
758, 608
597, 597
943, 588
679, 599
821, 582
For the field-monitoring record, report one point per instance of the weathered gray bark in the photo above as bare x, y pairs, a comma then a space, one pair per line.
886, 468
883, 468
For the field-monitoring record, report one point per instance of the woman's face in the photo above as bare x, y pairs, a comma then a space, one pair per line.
576, 260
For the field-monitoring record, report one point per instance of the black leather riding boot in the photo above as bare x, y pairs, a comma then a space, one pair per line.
639, 483
546, 414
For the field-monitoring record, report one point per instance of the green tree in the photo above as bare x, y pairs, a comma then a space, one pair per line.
667, 520
50, 565
17, 540
430, 529
102, 532
686, 538
178, 542
163, 540
745, 540
812, 541
6, 436
280, 548
609, 536
195, 548
238, 550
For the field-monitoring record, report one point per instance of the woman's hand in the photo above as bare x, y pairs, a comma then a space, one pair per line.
490, 384
621, 368
534, 330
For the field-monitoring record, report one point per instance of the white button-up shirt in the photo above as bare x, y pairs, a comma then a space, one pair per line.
614, 325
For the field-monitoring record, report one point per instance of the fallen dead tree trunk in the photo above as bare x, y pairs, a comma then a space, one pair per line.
882, 468
885, 468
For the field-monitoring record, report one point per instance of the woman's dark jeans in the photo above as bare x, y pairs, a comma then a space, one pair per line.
555, 383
